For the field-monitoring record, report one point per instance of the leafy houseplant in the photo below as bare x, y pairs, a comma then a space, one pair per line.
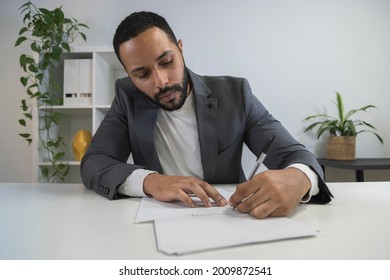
342, 129
49, 34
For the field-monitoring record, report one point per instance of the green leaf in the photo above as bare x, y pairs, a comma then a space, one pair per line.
24, 80
38, 94
28, 115
83, 25
59, 14
66, 46
20, 40
26, 17
340, 107
56, 53
24, 135
351, 130
35, 47
58, 156
25, 6
22, 60
45, 172
369, 125
32, 68
30, 93
24, 105
22, 122
39, 77
44, 11
23, 30
62, 166
317, 116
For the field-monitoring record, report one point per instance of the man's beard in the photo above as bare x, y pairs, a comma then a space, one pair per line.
182, 89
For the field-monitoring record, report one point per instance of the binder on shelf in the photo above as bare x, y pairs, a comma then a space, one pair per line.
77, 82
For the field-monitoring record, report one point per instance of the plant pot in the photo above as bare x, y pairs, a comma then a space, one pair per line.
341, 147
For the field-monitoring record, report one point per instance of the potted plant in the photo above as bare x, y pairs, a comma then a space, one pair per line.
49, 33
342, 129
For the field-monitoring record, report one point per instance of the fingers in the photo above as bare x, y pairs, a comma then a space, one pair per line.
266, 195
212, 193
254, 201
171, 188
243, 192
204, 192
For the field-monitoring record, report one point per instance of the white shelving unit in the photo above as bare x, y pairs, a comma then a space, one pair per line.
106, 69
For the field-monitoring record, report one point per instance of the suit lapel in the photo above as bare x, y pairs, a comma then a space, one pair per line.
145, 122
206, 109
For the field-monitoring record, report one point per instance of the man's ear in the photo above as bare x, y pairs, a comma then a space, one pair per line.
180, 45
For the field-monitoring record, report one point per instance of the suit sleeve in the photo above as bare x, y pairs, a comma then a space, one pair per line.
104, 167
261, 125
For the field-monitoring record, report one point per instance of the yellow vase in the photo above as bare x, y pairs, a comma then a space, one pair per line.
81, 141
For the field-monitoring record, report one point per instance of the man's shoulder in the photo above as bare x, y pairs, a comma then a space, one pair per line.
222, 82
221, 79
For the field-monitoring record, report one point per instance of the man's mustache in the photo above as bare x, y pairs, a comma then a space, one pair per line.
175, 87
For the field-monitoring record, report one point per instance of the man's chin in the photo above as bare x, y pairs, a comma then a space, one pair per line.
171, 106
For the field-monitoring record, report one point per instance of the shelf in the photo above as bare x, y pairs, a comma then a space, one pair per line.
106, 69
70, 162
71, 110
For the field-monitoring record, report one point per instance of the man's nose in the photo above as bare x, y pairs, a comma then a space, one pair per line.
160, 79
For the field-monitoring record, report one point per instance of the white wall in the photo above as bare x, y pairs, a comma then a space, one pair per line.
295, 53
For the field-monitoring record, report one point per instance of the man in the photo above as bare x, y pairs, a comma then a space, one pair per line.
186, 132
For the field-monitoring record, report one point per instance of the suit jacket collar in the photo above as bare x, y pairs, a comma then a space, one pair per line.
206, 108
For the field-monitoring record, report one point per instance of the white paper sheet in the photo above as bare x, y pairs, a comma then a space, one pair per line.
181, 230
198, 233
150, 209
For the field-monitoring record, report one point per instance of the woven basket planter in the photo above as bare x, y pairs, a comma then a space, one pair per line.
341, 147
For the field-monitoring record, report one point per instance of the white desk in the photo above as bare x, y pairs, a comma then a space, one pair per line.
66, 221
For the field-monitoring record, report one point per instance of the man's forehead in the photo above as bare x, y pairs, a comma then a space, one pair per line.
153, 34
155, 41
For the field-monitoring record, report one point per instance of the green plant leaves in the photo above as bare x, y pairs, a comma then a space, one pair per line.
20, 40
343, 125
65, 46
49, 33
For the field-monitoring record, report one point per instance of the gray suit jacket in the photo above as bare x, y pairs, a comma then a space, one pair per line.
228, 115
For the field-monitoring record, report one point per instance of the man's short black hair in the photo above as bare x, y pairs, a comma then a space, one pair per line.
135, 24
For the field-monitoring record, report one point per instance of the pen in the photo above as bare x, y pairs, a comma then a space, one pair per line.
259, 162
262, 156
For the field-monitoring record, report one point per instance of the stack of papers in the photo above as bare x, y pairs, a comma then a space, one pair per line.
181, 230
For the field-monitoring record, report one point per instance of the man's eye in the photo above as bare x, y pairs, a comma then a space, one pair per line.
167, 62
144, 75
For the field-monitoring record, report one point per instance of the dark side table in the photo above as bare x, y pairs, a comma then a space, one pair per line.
359, 165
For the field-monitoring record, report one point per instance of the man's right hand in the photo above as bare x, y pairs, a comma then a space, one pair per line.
171, 188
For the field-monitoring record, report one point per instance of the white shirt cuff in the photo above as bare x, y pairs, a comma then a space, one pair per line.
134, 184
313, 178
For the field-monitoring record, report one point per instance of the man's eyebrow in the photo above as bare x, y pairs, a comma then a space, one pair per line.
165, 53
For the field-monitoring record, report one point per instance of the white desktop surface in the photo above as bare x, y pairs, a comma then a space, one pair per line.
67, 221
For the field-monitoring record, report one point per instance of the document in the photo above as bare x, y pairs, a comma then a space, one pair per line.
182, 230
151, 209
199, 233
